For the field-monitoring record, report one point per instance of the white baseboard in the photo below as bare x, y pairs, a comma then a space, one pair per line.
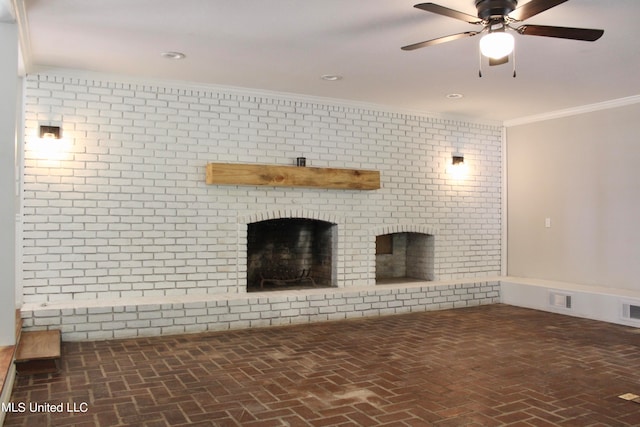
591, 302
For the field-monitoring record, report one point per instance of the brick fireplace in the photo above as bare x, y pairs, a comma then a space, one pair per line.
122, 223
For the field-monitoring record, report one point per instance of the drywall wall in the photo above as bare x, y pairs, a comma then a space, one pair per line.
573, 205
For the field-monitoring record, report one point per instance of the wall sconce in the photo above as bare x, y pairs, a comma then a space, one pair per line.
48, 144
457, 169
49, 132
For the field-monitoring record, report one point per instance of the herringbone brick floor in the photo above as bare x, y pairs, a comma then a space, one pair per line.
483, 366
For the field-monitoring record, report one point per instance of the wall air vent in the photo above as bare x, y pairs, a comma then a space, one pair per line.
559, 300
631, 311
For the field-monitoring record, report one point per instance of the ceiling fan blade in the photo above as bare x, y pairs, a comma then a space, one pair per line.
585, 34
499, 61
445, 11
533, 8
440, 40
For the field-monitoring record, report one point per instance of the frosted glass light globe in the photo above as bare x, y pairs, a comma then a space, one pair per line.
496, 45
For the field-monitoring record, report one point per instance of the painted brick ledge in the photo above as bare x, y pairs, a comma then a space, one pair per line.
101, 320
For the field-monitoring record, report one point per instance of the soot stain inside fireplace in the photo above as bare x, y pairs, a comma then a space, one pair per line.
293, 253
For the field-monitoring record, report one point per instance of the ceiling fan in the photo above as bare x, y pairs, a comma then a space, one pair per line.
497, 18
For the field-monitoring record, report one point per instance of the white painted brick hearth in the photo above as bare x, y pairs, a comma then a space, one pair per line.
121, 211
99, 321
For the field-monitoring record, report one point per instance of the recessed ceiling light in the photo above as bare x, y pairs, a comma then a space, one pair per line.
173, 55
455, 96
331, 77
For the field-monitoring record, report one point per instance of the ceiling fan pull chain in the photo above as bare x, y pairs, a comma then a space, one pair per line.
479, 62
514, 63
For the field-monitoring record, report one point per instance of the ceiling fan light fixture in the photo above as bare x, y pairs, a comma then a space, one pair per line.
497, 44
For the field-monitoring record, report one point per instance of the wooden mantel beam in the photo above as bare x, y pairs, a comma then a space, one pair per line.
292, 176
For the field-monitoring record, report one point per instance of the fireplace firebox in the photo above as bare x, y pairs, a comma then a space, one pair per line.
290, 253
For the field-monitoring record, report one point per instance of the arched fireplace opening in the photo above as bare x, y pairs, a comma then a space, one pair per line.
290, 253
404, 257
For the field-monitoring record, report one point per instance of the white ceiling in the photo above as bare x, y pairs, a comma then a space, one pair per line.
286, 45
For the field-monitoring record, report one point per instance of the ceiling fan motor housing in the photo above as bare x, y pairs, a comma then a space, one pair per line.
488, 9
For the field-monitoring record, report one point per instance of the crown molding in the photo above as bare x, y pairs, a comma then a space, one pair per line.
614, 103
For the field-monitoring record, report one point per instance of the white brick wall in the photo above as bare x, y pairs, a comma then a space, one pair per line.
119, 208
